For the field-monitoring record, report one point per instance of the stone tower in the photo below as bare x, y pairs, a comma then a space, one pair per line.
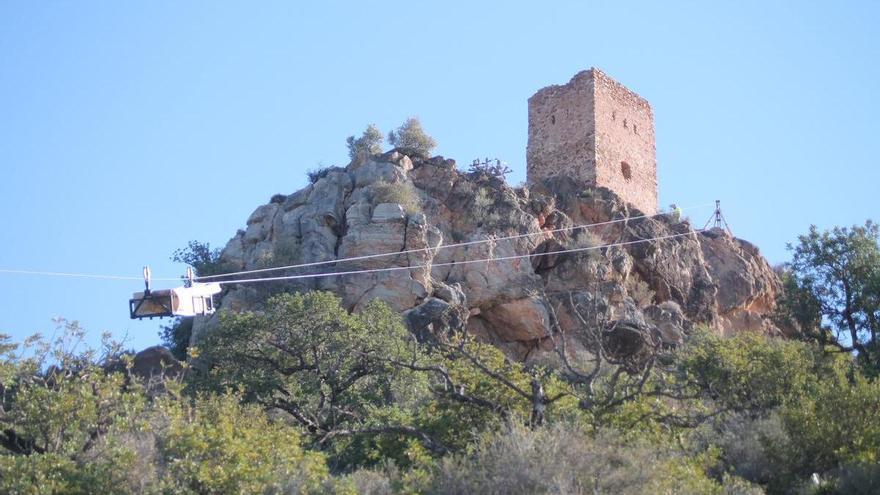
596, 131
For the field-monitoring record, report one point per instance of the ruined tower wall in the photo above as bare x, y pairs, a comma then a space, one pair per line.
625, 152
562, 139
598, 132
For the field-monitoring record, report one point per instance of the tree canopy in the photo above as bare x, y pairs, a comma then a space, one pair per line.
832, 289
303, 396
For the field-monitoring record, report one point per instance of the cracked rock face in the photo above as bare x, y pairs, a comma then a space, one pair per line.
665, 285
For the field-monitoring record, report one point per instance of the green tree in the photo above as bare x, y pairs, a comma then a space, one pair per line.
476, 388
747, 372
331, 371
215, 445
412, 138
832, 290
369, 143
199, 255
75, 420
56, 400
59, 408
361, 386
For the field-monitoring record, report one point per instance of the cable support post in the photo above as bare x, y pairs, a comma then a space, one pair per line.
718, 220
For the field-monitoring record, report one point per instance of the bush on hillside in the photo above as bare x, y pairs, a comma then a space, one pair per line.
319, 173
567, 458
402, 193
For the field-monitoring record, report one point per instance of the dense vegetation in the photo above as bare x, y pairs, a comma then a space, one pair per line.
304, 397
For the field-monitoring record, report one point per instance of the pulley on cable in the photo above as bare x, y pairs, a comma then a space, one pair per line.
193, 299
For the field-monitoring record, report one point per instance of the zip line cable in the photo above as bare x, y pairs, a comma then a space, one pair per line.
451, 263
78, 275
364, 257
444, 246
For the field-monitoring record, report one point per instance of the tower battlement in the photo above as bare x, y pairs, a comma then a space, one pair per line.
598, 132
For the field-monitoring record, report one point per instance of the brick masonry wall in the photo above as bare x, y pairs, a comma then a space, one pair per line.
594, 130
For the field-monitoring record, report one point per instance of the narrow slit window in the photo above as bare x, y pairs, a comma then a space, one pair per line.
626, 171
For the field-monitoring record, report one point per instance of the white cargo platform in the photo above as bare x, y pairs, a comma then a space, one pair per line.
181, 301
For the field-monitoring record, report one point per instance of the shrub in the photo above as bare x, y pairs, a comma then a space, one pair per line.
370, 143
496, 168
483, 200
639, 291
402, 193
284, 252
584, 239
565, 458
319, 173
743, 443
483, 208
215, 444
51, 473
277, 198
362, 482
858, 479
411, 138
589, 243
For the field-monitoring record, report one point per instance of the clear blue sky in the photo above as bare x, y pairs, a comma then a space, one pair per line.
129, 128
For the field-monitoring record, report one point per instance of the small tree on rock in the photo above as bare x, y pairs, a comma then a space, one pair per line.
370, 142
412, 138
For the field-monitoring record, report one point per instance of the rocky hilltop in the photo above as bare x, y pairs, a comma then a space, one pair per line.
394, 203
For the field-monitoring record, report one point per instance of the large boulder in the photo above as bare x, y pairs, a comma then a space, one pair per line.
155, 361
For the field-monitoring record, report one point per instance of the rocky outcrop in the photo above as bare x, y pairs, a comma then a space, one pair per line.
151, 367
155, 361
437, 227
